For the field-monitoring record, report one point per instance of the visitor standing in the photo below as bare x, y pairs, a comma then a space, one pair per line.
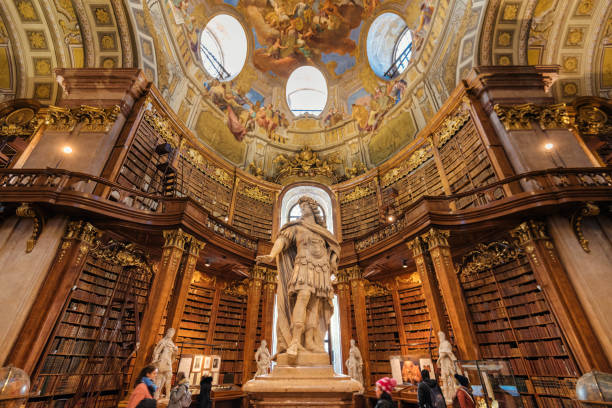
463, 397
205, 388
429, 393
142, 396
180, 396
384, 388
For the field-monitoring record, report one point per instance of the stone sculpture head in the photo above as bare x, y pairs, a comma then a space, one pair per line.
441, 336
309, 206
264, 344
170, 333
352, 342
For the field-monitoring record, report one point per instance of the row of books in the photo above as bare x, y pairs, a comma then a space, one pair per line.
531, 321
414, 312
496, 337
499, 350
519, 290
490, 326
526, 298
560, 367
71, 346
488, 315
537, 332
552, 402
62, 365
528, 309
481, 307
553, 347
552, 386
89, 308
514, 270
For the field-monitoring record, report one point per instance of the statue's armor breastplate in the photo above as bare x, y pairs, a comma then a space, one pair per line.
311, 246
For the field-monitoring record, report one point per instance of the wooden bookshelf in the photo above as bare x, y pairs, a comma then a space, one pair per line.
88, 357
359, 210
194, 327
513, 321
253, 210
466, 163
382, 334
228, 338
417, 322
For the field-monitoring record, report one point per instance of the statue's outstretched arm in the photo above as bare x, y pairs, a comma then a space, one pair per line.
279, 245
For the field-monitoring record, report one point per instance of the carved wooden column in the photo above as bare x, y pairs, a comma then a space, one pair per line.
267, 307
212, 323
344, 305
47, 307
456, 306
560, 293
176, 307
250, 331
399, 317
361, 326
174, 246
433, 300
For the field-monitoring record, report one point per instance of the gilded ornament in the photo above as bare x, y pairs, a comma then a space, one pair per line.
176, 238
575, 36
42, 66
488, 256
25, 210
256, 194
570, 64
529, 231
587, 210
357, 193
107, 42
554, 116
436, 238
42, 91
305, 164
20, 122
26, 10
585, 7
357, 169
97, 119
504, 39
416, 246
102, 16
162, 127
58, 118
237, 288
373, 289
37, 40
412, 279
417, 158
121, 253
450, 127
510, 12
223, 177
592, 121
517, 117
569, 89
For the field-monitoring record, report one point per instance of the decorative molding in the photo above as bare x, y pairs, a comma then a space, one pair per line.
20, 122
256, 193
587, 210
416, 246
57, 118
218, 174
82, 231
353, 272
412, 279
121, 253
259, 272
97, 119
25, 210
487, 256
195, 246
176, 238
529, 231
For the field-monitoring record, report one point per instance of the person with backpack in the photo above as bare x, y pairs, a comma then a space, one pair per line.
463, 397
429, 393
142, 395
384, 388
180, 397
205, 388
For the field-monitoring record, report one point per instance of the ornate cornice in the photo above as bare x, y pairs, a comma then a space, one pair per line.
415, 160
373, 289
121, 253
520, 117
259, 272
412, 279
529, 231
357, 193
82, 231
254, 192
162, 127
65, 119
449, 127
176, 238
487, 256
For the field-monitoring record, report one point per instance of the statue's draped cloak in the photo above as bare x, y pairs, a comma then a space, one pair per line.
313, 276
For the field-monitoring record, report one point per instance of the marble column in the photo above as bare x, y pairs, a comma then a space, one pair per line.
343, 292
533, 237
361, 325
159, 294
452, 294
250, 332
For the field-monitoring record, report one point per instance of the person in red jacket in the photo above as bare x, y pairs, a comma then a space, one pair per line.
463, 396
144, 389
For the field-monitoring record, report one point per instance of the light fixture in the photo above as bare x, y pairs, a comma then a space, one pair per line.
549, 146
226, 219
207, 263
404, 264
67, 149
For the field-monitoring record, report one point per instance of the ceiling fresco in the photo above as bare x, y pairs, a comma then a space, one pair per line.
367, 118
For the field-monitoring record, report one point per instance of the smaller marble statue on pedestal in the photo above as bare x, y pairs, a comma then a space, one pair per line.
354, 363
448, 369
163, 356
263, 359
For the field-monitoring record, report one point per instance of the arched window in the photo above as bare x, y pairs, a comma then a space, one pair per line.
291, 211
296, 212
223, 47
389, 45
306, 91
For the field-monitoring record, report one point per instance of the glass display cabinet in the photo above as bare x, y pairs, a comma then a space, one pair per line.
493, 384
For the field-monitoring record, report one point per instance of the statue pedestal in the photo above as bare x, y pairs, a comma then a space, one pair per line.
308, 380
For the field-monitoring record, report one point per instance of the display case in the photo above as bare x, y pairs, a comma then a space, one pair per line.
493, 384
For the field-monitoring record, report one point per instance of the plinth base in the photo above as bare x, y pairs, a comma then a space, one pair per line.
309, 385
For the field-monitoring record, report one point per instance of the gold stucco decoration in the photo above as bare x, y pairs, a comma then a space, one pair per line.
587, 210
520, 117
121, 253
450, 126
97, 119
373, 289
487, 256
237, 288
357, 193
415, 160
256, 193
162, 127
25, 210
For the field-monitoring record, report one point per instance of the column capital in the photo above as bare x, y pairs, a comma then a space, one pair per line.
195, 246
416, 246
354, 272
259, 272
82, 231
436, 238
528, 231
176, 238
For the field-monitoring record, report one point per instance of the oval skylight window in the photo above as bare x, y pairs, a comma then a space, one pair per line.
389, 45
223, 47
306, 91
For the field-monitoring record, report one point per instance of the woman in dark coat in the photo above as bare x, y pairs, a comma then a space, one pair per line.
205, 387
384, 388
